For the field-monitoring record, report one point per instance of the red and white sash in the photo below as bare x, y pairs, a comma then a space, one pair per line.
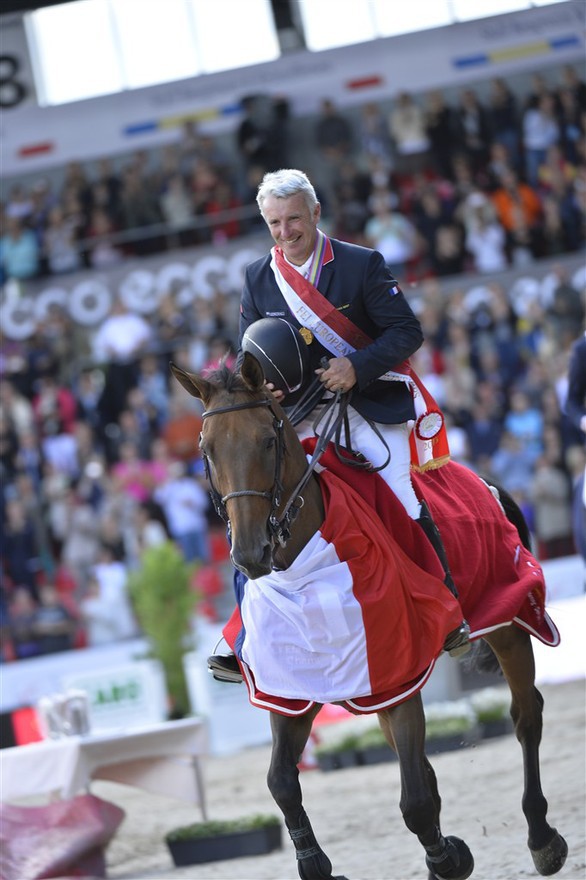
337, 334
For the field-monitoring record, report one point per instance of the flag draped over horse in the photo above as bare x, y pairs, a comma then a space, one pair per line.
368, 586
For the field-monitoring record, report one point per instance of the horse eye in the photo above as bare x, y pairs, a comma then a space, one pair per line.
269, 442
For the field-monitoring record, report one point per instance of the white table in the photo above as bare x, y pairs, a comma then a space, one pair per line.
162, 759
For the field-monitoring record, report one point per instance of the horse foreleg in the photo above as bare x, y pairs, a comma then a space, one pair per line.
448, 858
513, 649
289, 738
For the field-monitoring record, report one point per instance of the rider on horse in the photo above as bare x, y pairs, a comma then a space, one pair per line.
359, 332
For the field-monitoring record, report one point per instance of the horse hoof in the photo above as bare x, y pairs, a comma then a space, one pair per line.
551, 858
457, 864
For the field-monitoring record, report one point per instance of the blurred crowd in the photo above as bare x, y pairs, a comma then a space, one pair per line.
439, 186
99, 462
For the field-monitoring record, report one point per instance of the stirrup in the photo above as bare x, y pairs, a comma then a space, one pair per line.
224, 667
457, 642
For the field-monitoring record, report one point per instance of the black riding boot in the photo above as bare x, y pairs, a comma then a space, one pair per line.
224, 667
458, 641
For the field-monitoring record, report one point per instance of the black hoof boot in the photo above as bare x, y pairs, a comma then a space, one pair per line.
453, 862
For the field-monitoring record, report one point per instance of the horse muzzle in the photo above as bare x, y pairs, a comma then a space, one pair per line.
253, 564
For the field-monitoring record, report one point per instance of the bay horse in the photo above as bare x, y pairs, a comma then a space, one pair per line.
274, 505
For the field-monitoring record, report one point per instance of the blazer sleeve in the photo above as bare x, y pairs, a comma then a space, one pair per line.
249, 312
396, 330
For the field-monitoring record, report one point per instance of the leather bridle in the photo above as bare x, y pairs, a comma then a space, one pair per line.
279, 527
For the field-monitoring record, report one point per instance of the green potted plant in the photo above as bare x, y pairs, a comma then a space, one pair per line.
450, 726
164, 600
229, 839
491, 706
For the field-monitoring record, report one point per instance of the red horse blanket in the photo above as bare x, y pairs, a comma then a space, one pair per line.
362, 614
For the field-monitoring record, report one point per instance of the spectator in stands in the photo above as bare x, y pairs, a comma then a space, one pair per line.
139, 210
20, 550
512, 466
171, 328
53, 624
519, 212
525, 422
485, 237
440, 131
76, 185
540, 131
252, 136
407, 127
503, 119
152, 380
176, 207
20, 624
472, 130
149, 529
185, 504
202, 183
107, 189
127, 429
391, 233
373, 134
577, 86
484, 432
182, 429
118, 344
571, 122
43, 199
112, 576
333, 132
19, 251
53, 405
15, 408
550, 495
132, 474
566, 306
449, 254
98, 615
102, 252
59, 243
224, 205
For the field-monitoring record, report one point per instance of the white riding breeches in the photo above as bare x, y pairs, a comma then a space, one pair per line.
396, 472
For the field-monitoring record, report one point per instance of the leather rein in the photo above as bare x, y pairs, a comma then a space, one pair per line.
279, 527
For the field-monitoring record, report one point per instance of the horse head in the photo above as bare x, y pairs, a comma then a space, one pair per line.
253, 462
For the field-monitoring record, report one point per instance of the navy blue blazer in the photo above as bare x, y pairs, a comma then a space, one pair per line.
359, 283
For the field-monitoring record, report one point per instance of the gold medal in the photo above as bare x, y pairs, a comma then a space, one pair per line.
307, 335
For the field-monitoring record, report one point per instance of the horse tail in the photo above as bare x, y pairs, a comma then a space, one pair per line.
482, 658
514, 514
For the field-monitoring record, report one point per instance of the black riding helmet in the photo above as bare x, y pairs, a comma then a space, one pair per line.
281, 352
284, 357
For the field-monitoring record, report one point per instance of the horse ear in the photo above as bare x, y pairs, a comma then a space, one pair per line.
195, 385
251, 372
